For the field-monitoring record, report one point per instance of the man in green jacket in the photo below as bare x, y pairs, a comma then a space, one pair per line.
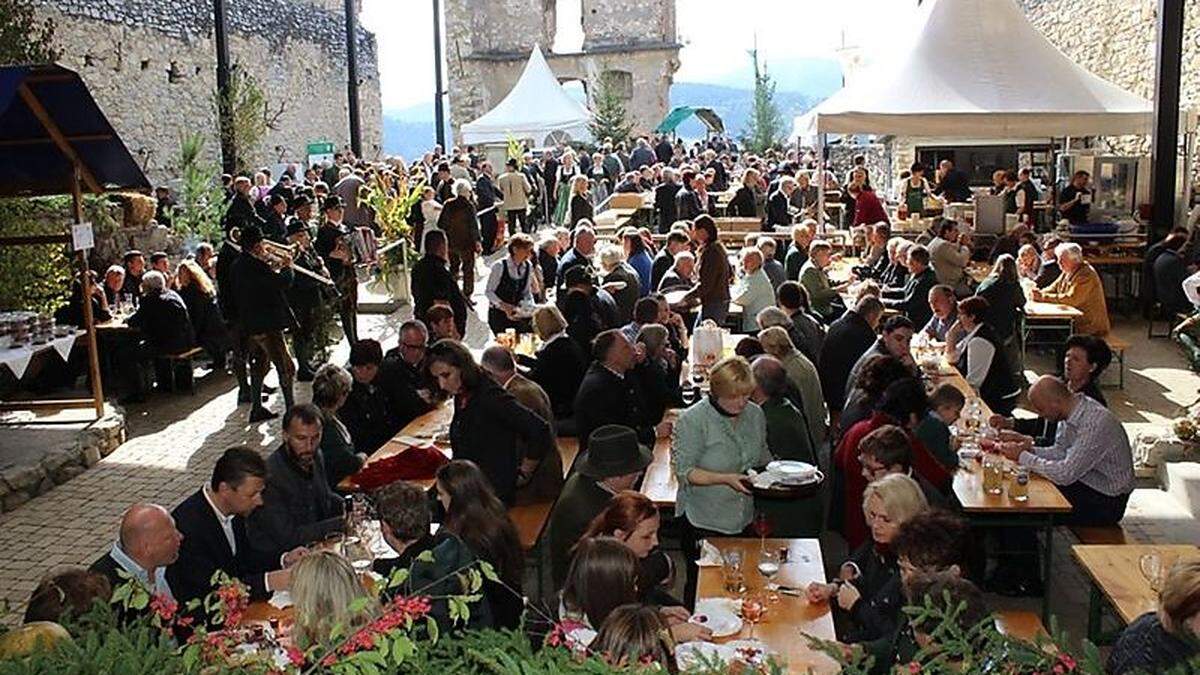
787, 438
823, 295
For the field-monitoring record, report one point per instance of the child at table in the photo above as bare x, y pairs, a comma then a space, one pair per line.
945, 405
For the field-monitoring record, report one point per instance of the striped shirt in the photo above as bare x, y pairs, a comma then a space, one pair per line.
1090, 447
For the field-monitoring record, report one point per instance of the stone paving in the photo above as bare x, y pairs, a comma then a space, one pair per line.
174, 439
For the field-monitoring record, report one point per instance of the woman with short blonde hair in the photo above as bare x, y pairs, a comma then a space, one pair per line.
324, 586
717, 440
899, 495
548, 321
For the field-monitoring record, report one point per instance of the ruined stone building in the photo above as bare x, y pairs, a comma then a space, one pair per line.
632, 42
151, 65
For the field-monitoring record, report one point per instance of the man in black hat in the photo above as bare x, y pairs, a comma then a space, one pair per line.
275, 228
333, 245
263, 314
304, 295
613, 462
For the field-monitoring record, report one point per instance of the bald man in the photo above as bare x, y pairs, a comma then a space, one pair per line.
1090, 460
148, 541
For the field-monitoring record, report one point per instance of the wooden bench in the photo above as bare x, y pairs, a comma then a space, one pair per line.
175, 362
530, 521
1021, 625
1103, 534
1118, 347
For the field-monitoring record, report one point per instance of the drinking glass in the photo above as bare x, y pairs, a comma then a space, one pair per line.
768, 567
731, 571
753, 610
762, 527
1151, 565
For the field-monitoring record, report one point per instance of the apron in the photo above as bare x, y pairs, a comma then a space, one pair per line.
509, 290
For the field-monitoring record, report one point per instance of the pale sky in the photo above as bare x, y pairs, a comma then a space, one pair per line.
716, 35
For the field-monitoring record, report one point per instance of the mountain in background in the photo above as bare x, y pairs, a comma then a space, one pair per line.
800, 84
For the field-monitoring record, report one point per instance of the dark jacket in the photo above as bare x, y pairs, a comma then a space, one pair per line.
371, 417
808, 335
1006, 304
432, 282
603, 398
559, 369
848, 337
337, 450
572, 258
713, 273
488, 427
205, 550
582, 499
240, 213
744, 204
163, 319
299, 508
1050, 272
72, 312
306, 291
687, 204
998, 384
205, 316
1169, 273
549, 265
226, 284
1145, 646
581, 209
793, 261
664, 206
914, 299
877, 614
438, 578
260, 295
627, 297
460, 223
777, 211
663, 262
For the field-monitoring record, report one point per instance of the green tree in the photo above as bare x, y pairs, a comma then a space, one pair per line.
200, 204
23, 38
251, 115
765, 128
610, 119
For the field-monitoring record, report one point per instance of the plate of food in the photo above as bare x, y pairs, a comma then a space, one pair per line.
793, 471
751, 652
722, 616
697, 654
774, 486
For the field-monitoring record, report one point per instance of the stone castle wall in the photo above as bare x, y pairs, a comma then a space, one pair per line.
151, 65
1115, 39
488, 43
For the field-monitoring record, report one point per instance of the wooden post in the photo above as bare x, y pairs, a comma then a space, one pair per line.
89, 321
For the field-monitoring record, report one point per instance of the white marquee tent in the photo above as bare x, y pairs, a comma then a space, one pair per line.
978, 68
537, 108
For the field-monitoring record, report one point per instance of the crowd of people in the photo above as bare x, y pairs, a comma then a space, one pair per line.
825, 373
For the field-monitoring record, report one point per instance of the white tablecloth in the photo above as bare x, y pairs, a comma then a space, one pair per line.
18, 360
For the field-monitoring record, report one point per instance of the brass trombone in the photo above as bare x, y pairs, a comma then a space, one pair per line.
275, 254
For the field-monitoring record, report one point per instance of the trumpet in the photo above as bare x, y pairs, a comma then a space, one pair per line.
275, 254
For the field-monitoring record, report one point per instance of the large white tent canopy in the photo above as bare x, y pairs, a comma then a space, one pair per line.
538, 108
978, 68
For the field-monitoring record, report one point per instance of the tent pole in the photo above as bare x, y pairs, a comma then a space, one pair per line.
821, 183
89, 321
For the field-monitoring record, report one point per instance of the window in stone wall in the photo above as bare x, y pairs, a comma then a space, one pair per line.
620, 81
145, 64
174, 73
568, 26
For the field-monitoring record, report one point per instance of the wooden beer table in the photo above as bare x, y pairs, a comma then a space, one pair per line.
785, 623
990, 510
1115, 573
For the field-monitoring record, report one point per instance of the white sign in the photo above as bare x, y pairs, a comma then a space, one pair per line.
82, 237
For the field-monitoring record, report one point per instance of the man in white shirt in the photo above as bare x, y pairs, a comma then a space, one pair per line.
213, 524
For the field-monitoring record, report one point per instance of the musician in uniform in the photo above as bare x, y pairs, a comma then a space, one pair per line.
304, 296
333, 245
259, 290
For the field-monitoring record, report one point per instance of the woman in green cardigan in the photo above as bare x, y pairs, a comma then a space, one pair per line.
717, 440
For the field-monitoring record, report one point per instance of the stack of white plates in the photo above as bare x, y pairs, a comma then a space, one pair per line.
788, 473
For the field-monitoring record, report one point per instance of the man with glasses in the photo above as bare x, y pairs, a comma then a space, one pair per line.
888, 450
402, 374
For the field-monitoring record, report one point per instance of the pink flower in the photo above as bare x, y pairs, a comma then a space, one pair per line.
914, 667
163, 606
1067, 661
295, 656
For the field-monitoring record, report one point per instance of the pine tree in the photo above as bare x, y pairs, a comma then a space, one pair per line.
24, 39
765, 128
609, 117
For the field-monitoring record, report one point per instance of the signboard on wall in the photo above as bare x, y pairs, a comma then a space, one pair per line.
319, 153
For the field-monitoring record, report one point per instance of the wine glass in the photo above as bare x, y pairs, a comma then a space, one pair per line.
768, 567
753, 610
1151, 566
762, 527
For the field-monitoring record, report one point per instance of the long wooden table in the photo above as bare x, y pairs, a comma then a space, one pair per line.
988, 510
1116, 576
785, 622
